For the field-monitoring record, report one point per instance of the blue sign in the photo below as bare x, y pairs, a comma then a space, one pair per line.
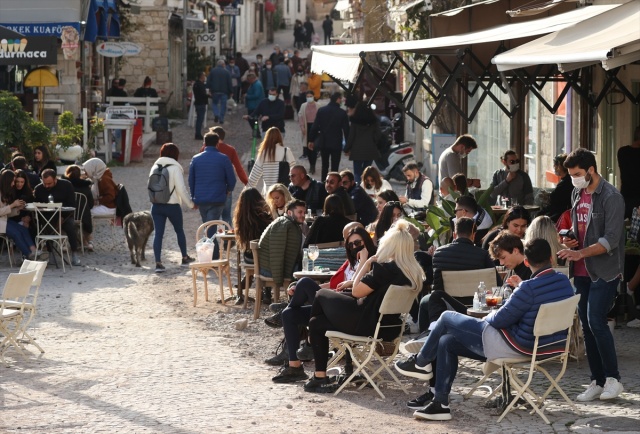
41, 29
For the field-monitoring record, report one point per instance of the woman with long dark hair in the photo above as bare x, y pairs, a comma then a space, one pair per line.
359, 247
363, 140
41, 160
327, 228
22, 190
9, 207
515, 221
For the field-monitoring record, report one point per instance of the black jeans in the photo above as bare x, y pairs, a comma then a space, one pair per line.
297, 314
335, 155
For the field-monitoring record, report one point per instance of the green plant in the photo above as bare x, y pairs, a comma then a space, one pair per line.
69, 133
96, 128
277, 20
197, 62
13, 121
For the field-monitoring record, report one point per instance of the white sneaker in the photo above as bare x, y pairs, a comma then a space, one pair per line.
612, 388
593, 391
635, 323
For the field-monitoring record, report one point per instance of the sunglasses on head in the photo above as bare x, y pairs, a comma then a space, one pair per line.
355, 244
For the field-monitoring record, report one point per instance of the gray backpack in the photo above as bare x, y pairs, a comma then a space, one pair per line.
158, 184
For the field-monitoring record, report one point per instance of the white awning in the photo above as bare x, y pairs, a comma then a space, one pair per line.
399, 13
343, 61
612, 38
342, 5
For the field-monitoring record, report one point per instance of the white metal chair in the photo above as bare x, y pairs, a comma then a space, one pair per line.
49, 221
81, 205
261, 279
365, 350
463, 283
552, 318
219, 266
16, 292
5, 241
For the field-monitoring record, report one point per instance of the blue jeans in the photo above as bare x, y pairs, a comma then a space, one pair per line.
596, 299
219, 105
20, 236
201, 110
160, 212
226, 213
208, 212
358, 168
454, 335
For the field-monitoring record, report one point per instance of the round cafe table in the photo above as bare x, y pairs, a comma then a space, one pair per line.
478, 313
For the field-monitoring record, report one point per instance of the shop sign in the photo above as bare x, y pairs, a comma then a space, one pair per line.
230, 10
28, 51
41, 29
132, 49
111, 49
206, 40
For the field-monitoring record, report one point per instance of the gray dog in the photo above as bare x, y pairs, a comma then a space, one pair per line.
137, 229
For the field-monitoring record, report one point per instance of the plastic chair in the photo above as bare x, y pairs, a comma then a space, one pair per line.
219, 266
261, 279
365, 349
81, 205
15, 292
49, 221
552, 318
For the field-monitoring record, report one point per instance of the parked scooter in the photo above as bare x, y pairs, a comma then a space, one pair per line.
395, 155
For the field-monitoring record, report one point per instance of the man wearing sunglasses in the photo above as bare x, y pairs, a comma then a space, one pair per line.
511, 181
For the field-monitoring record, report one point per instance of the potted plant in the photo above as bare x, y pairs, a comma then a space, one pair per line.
68, 139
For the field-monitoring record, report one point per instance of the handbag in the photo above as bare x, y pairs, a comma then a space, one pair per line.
283, 169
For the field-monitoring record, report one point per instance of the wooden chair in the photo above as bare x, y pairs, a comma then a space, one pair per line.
463, 283
260, 280
81, 205
219, 266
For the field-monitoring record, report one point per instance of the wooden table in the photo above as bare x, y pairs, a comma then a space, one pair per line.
318, 276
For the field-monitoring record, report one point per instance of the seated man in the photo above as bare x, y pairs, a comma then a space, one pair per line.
419, 188
508, 249
305, 188
63, 192
466, 206
506, 332
364, 205
280, 246
333, 185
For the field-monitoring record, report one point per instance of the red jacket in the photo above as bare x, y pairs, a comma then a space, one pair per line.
230, 152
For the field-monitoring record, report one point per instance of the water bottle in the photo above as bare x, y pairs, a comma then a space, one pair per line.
482, 291
305, 259
506, 293
476, 302
50, 198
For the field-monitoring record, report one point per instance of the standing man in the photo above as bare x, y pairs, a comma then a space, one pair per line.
327, 28
200, 99
629, 162
450, 162
211, 180
364, 205
268, 77
270, 111
597, 260
330, 129
310, 31
219, 83
307, 189
234, 70
419, 188
511, 181
242, 63
231, 153
283, 77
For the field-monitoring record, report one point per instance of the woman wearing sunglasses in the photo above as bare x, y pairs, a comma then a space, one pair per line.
511, 181
359, 248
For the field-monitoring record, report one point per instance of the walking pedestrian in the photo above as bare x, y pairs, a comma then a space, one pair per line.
364, 139
306, 117
220, 87
329, 131
200, 99
327, 28
270, 154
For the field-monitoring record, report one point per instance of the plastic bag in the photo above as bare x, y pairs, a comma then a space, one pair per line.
204, 249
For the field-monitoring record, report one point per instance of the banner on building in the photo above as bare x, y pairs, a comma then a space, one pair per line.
41, 29
27, 50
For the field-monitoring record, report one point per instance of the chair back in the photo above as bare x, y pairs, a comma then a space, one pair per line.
17, 286
38, 267
255, 247
463, 283
398, 299
555, 317
203, 229
81, 205
49, 218
330, 245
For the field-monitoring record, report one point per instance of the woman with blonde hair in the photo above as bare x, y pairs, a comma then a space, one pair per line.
277, 197
544, 228
270, 154
357, 313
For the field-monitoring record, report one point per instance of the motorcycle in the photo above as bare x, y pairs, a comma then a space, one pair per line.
394, 155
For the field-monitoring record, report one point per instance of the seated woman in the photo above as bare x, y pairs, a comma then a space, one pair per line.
22, 190
74, 175
298, 312
104, 189
9, 206
278, 197
41, 160
543, 227
250, 218
391, 213
357, 313
515, 221
381, 200
373, 183
328, 228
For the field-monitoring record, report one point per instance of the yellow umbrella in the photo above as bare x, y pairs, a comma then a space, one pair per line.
41, 78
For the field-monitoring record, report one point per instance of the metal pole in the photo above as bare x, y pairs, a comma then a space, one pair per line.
184, 57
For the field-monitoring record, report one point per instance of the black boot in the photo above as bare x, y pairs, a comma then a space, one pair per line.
282, 355
266, 296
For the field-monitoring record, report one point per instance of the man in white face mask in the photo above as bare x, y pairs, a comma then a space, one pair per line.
596, 252
511, 181
270, 111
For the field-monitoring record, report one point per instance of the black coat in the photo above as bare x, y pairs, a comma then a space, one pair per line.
365, 206
332, 125
560, 199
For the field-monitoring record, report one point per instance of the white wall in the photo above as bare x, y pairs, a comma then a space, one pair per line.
39, 11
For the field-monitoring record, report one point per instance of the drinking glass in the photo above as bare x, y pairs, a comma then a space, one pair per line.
495, 299
313, 255
503, 201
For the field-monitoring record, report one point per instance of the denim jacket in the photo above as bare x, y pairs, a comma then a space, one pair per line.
605, 225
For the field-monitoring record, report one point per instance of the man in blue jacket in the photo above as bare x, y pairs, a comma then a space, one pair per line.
220, 87
504, 333
211, 179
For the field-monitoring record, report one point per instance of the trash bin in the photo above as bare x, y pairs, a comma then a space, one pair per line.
136, 143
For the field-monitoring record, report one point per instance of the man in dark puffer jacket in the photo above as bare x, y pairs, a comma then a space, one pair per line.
505, 333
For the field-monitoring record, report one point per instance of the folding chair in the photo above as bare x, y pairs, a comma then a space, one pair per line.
219, 266
463, 283
16, 292
30, 304
81, 205
49, 221
5, 241
365, 349
261, 279
552, 318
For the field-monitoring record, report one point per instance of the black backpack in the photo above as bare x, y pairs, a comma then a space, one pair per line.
158, 184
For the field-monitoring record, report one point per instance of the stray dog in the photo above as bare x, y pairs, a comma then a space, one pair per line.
137, 229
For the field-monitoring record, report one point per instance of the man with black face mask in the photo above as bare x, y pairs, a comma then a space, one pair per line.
511, 181
596, 252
